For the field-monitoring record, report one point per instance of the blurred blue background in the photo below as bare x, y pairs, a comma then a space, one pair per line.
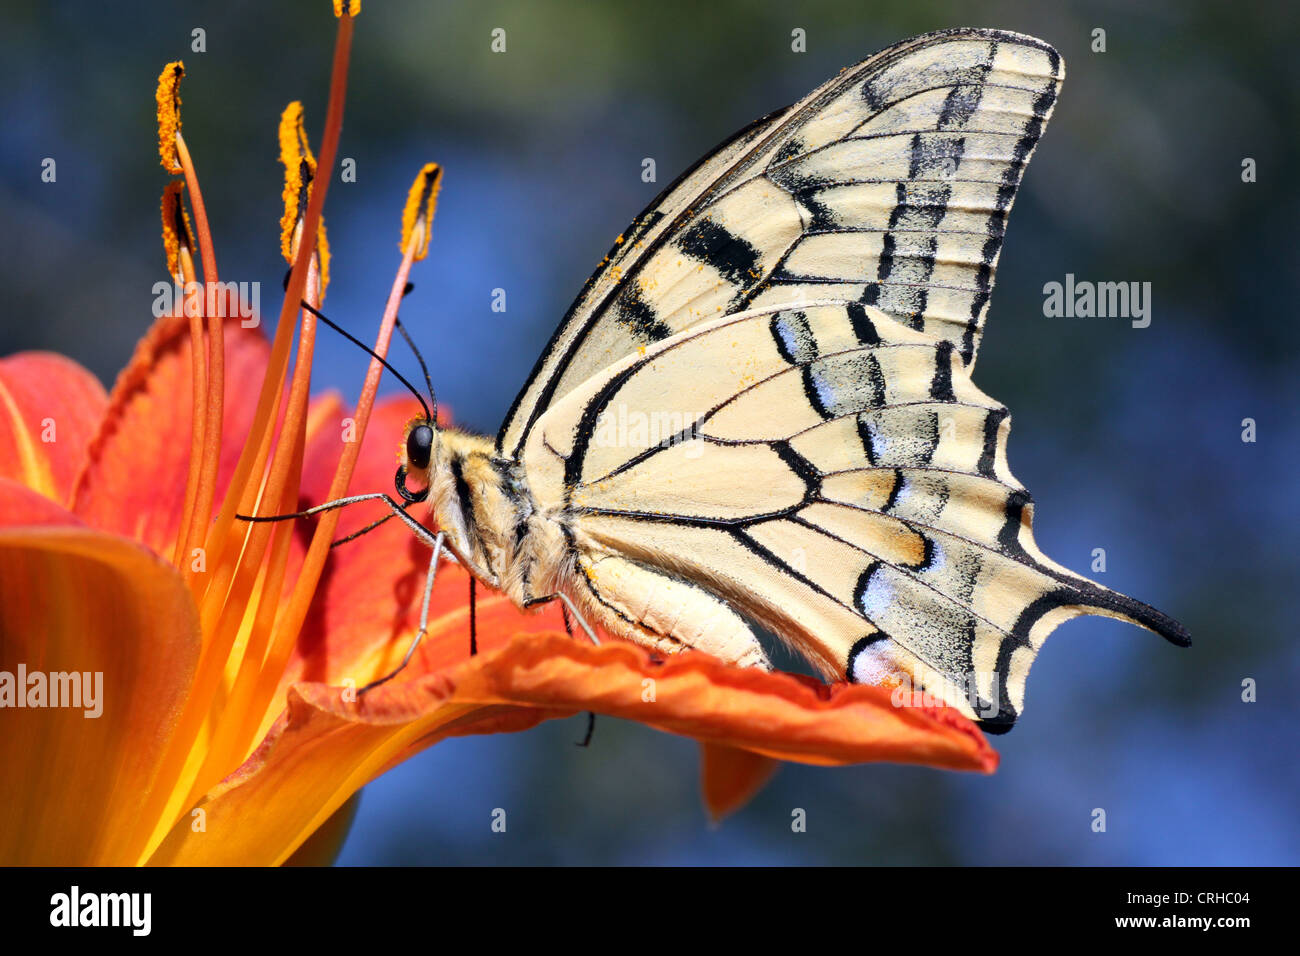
1130, 439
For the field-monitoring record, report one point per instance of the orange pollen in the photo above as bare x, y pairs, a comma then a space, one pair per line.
168, 97
299, 174
421, 202
177, 230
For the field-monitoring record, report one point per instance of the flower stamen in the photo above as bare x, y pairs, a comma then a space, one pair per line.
206, 427
169, 795
299, 172
421, 203
168, 97
178, 245
206, 489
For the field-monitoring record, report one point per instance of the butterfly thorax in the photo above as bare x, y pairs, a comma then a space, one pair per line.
482, 503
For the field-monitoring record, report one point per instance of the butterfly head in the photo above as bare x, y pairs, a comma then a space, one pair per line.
419, 457
456, 475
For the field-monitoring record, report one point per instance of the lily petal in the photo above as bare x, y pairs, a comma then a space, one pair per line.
314, 759
49, 408
134, 483
323, 846
327, 746
74, 600
730, 777
20, 505
784, 716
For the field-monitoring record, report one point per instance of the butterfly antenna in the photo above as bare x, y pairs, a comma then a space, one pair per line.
373, 354
428, 380
368, 350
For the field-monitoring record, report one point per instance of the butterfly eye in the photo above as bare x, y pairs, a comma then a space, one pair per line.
419, 447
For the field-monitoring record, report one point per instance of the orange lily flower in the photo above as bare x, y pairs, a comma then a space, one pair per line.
223, 656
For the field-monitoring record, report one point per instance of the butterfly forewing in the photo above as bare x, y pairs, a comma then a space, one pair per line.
890, 185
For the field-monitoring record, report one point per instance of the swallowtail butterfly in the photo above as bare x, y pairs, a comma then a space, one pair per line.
760, 409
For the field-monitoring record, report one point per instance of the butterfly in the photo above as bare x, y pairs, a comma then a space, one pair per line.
760, 410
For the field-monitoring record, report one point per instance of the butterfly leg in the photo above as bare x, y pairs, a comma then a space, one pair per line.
569, 608
398, 511
473, 616
667, 614
424, 616
591, 714
591, 729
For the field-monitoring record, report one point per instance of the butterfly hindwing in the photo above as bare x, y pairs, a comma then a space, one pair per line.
890, 186
835, 476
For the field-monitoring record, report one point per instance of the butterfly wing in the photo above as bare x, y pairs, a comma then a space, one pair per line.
833, 474
889, 185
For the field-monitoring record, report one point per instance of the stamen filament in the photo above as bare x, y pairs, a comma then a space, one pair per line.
281, 491
178, 244
207, 484
198, 414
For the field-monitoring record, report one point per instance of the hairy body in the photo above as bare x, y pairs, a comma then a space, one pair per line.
532, 552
